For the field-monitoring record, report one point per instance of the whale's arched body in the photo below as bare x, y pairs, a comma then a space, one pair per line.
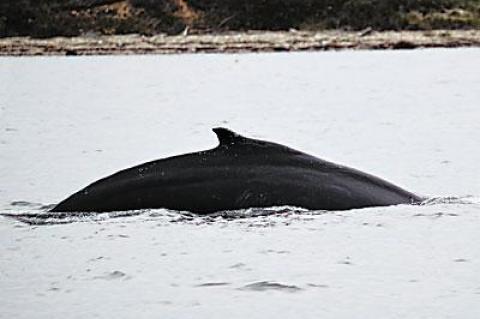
238, 173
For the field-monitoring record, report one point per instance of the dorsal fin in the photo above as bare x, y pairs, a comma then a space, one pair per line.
227, 137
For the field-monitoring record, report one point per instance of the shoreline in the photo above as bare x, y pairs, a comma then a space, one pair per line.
238, 42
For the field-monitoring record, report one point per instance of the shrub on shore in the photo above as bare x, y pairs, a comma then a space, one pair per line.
334, 14
75, 17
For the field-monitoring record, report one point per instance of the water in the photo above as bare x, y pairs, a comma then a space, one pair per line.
410, 117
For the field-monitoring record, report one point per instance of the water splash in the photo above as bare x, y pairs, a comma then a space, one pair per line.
45, 217
40, 214
462, 200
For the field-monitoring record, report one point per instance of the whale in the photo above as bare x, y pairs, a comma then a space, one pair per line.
239, 173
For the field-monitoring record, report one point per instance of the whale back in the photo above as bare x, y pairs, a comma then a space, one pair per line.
239, 172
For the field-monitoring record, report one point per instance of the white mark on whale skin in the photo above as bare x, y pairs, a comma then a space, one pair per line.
269, 285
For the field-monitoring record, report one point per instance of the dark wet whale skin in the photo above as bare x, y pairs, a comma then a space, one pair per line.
238, 173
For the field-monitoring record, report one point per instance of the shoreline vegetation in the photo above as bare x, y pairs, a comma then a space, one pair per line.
79, 27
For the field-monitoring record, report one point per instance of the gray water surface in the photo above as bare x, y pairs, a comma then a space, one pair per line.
411, 117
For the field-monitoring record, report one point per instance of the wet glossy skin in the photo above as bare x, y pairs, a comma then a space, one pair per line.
239, 173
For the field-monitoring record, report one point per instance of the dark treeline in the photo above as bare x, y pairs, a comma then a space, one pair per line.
47, 18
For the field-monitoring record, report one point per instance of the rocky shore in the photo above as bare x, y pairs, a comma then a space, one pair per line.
234, 42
